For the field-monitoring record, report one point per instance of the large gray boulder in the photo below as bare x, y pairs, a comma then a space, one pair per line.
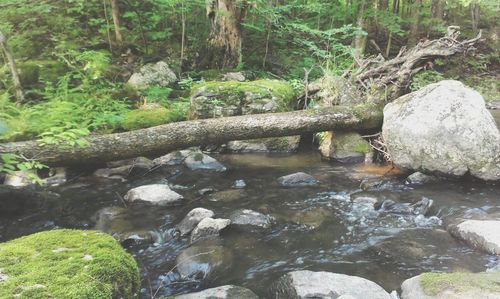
153, 74
452, 286
443, 127
309, 284
222, 292
154, 194
481, 234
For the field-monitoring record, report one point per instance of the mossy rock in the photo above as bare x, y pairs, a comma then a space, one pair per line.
344, 146
144, 118
216, 99
460, 282
67, 264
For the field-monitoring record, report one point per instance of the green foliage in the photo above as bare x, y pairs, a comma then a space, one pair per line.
144, 118
67, 264
10, 163
425, 78
64, 136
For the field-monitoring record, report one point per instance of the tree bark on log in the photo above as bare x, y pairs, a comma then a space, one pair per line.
165, 138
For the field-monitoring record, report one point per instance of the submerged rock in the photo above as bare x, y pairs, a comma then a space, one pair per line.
199, 160
192, 219
203, 261
208, 228
264, 145
443, 127
222, 292
155, 194
348, 147
452, 285
299, 179
481, 234
228, 195
246, 219
67, 264
308, 284
418, 178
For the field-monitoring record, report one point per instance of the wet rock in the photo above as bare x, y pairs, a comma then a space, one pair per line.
239, 184
347, 147
201, 161
153, 74
308, 284
452, 285
15, 201
139, 162
203, 261
250, 220
229, 195
174, 158
481, 234
223, 292
57, 176
312, 218
125, 168
208, 228
379, 184
192, 219
418, 178
299, 179
206, 191
461, 136
155, 194
234, 76
421, 207
118, 173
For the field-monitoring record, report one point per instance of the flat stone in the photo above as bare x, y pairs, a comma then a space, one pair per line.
308, 284
155, 194
481, 234
201, 161
418, 178
222, 292
248, 219
299, 179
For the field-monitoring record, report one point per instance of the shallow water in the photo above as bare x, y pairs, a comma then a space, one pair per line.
316, 228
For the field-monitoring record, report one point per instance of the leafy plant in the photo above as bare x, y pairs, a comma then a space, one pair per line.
10, 163
425, 78
69, 135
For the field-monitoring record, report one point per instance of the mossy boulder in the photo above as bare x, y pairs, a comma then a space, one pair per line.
145, 117
67, 264
217, 99
344, 146
457, 285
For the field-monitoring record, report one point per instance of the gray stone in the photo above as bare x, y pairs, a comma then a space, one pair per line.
264, 145
201, 161
154, 194
443, 127
250, 220
308, 284
118, 173
234, 76
348, 147
228, 195
203, 260
222, 292
153, 74
192, 219
18, 179
418, 178
299, 179
453, 286
208, 228
239, 184
57, 176
174, 158
481, 234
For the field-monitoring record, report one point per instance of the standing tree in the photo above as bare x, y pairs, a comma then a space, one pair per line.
226, 34
13, 69
115, 12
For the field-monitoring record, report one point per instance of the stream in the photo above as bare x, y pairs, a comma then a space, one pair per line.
321, 228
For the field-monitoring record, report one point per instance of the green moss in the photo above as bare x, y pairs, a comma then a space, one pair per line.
144, 118
67, 264
362, 147
434, 283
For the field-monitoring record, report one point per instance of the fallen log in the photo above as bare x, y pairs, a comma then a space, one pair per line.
165, 138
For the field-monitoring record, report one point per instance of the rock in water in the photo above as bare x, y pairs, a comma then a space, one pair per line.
443, 127
482, 234
222, 292
204, 260
298, 179
347, 147
155, 194
452, 285
250, 220
199, 160
152, 74
208, 228
192, 219
308, 284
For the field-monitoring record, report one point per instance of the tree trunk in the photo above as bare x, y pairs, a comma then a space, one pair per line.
165, 138
413, 35
13, 69
475, 15
360, 40
115, 9
395, 12
224, 41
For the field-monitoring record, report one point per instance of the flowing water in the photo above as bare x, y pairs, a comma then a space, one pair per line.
316, 228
